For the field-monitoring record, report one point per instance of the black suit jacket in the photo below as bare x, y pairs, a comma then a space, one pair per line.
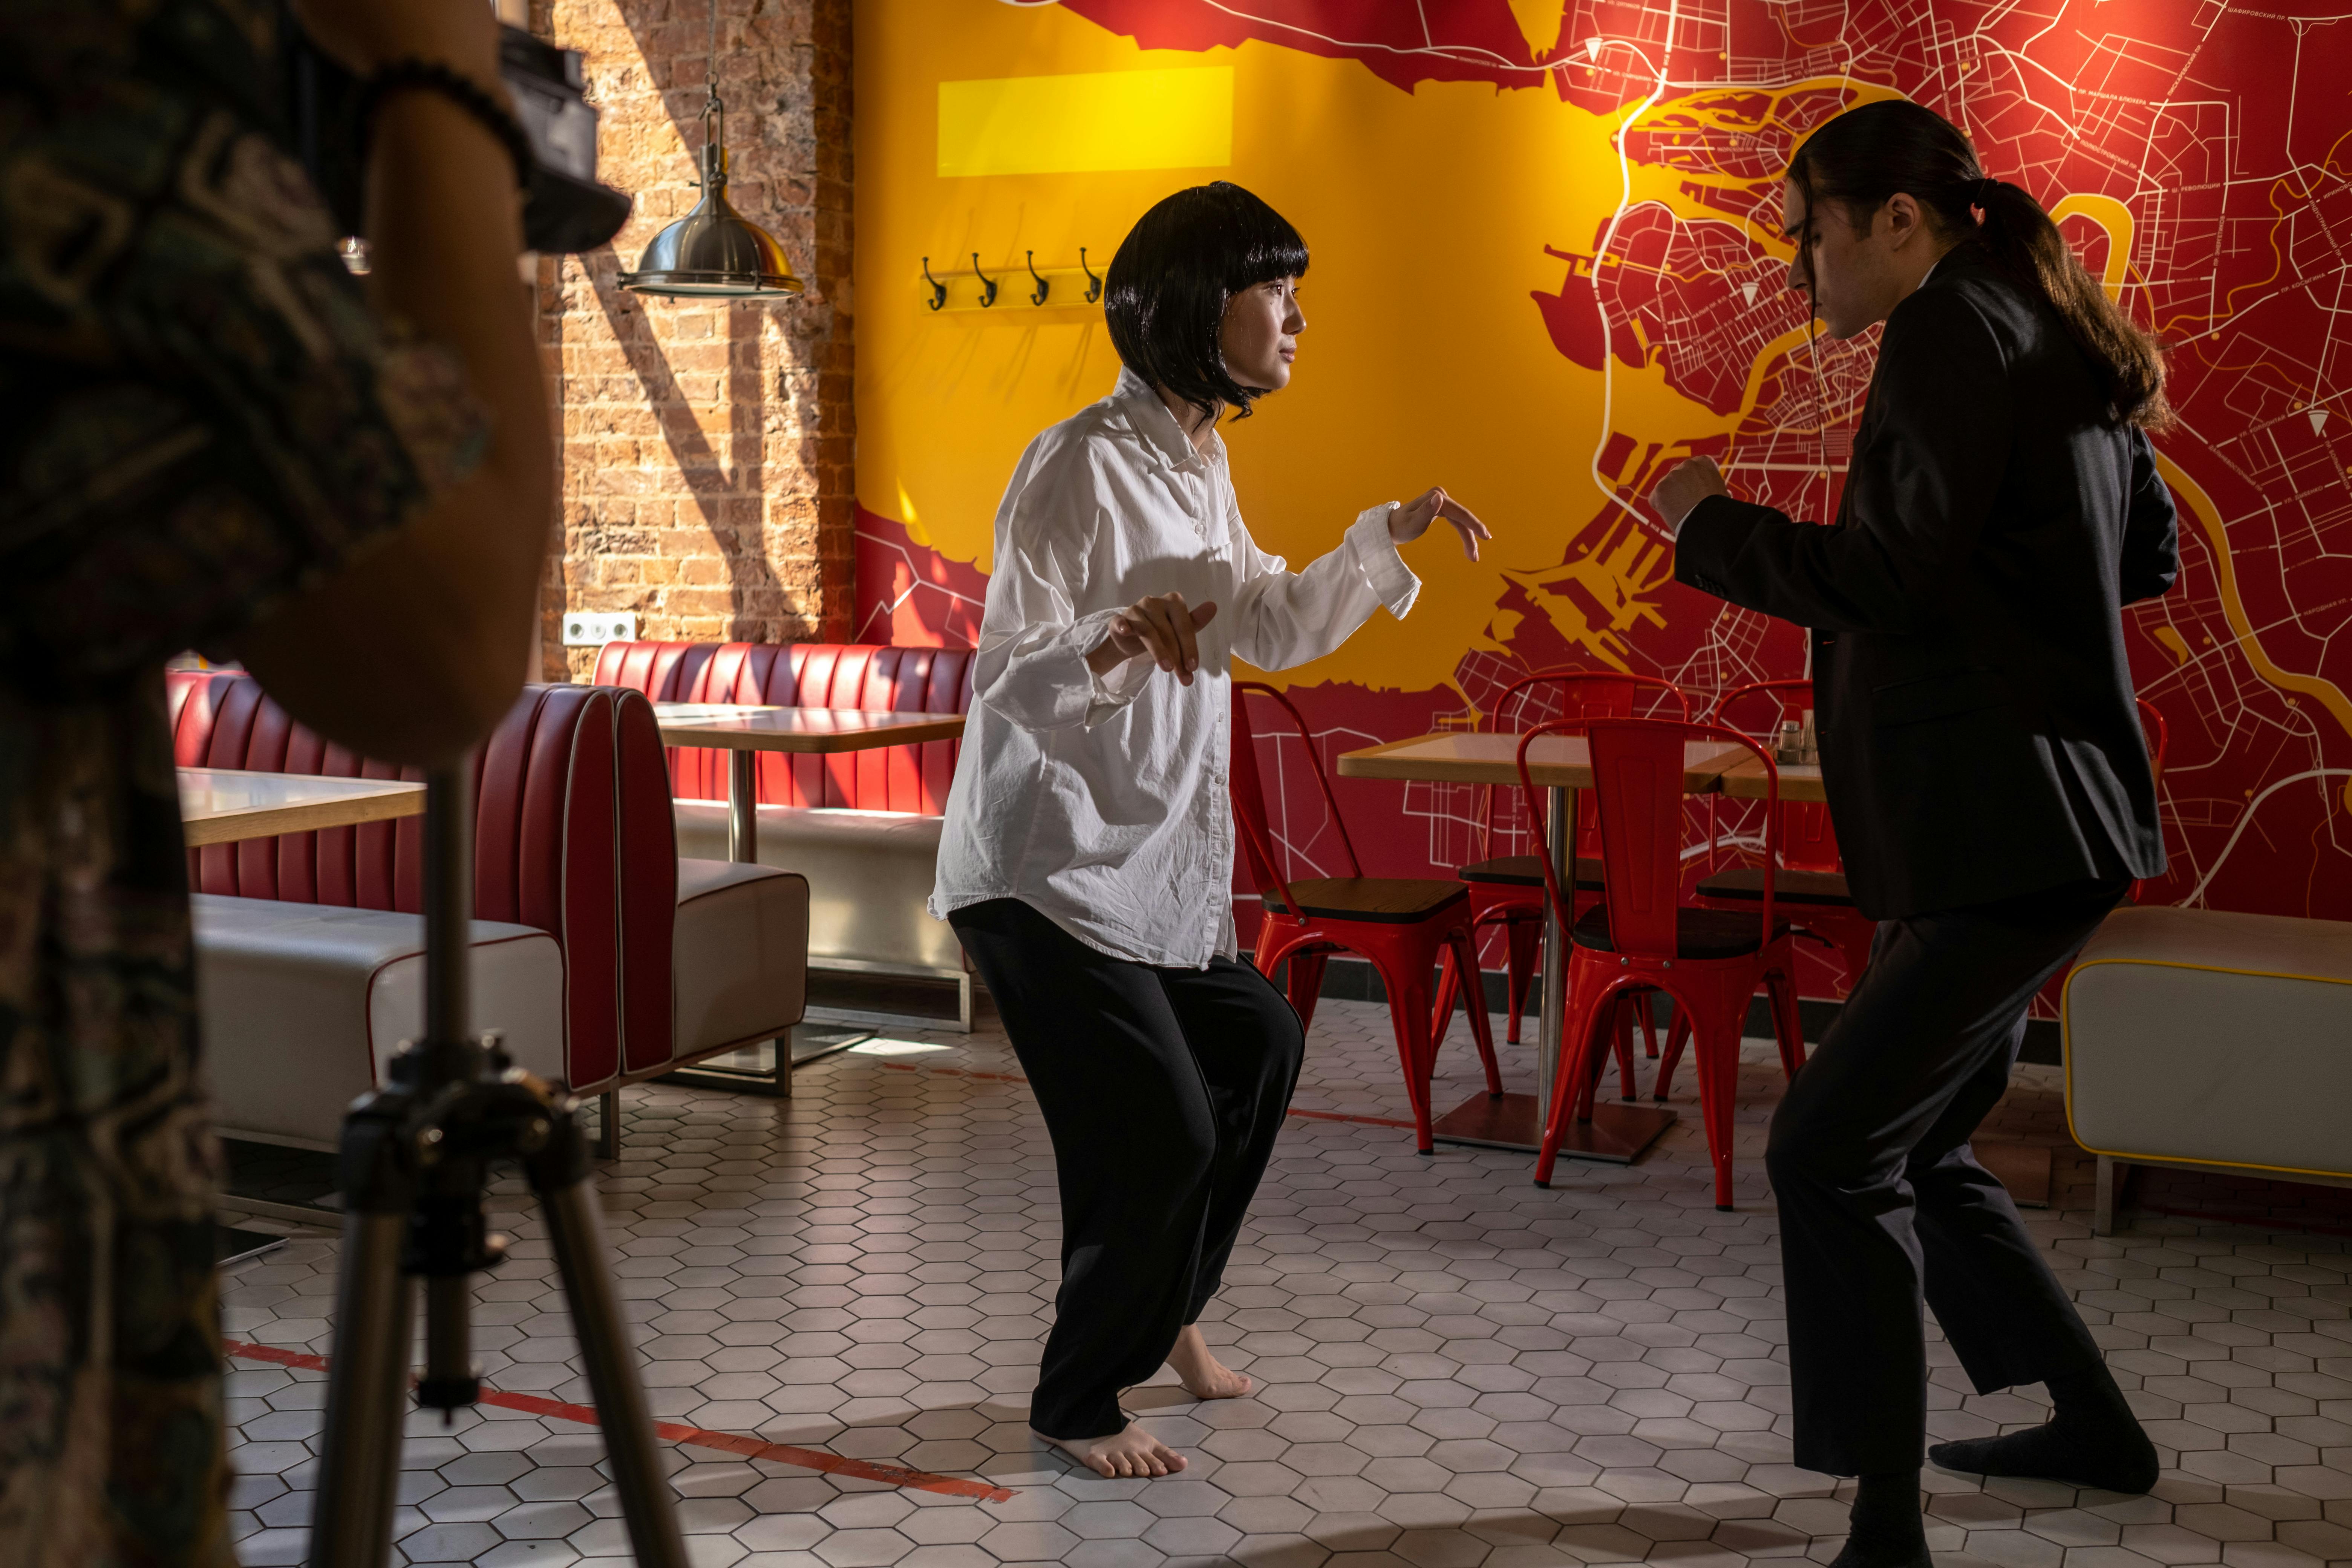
1978, 733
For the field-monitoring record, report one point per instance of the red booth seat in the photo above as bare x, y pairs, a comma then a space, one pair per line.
867, 676
582, 912
864, 828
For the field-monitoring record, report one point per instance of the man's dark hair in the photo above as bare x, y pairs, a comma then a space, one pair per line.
1166, 292
1857, 160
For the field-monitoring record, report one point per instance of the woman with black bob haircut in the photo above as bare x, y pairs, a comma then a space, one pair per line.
1086, 858
1986, 773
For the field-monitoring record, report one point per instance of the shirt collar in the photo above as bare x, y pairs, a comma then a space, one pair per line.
1158, 428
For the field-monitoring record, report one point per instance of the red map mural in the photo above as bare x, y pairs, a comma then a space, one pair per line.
2200, 158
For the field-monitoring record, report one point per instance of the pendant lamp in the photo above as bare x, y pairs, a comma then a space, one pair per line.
714, 251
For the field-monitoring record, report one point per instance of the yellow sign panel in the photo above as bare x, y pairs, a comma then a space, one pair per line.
1086, 121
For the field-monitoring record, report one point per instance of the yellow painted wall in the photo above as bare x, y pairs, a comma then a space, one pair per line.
1425, 360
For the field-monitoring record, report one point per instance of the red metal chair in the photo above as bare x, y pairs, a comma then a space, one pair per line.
1401, 925
1811, 884
1641, 936
1812, 881
1506, 891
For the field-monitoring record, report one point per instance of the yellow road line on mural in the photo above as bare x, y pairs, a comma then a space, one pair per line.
2233, 606
1087, 121
2116, 219
1626, 124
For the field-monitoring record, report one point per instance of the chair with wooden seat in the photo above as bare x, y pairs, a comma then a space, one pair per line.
1402, 924
1810, 881
1644, 936
1506, 891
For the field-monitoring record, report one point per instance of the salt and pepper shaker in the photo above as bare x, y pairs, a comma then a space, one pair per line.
1809, 749
1791, 744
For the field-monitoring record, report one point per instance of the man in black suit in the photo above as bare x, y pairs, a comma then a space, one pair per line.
1991, 793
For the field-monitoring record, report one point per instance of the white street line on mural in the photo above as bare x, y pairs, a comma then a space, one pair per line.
2247, 820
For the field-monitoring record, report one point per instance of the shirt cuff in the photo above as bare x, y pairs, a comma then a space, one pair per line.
1107, 693
1383, 567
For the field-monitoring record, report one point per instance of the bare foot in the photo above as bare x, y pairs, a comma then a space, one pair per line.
1202, 1374
1131, 1452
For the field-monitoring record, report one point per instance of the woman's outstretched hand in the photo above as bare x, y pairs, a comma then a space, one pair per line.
1411, 519
1161, 624
1686, 485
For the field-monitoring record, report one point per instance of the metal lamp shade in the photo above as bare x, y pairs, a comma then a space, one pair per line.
713, 250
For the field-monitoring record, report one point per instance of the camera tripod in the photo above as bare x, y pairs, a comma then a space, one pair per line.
415, 1158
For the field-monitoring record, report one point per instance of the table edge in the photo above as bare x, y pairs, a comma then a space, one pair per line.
937, 727
305, 817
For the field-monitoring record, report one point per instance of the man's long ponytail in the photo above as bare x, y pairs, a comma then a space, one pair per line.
1868, 154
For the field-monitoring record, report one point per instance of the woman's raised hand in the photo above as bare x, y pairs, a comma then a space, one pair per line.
1161, 624
1411, 520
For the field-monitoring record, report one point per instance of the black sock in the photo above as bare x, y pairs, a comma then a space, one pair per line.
1885, 1530
2092, 1440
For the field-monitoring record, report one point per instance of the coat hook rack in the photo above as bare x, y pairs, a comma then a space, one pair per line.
1059, 289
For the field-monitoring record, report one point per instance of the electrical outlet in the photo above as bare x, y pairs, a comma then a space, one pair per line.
594, 629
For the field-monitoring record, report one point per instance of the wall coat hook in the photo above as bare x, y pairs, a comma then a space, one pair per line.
938, 290
1029, 260
1094, 284
987, 284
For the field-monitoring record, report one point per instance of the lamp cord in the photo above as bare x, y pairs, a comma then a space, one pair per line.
711, 106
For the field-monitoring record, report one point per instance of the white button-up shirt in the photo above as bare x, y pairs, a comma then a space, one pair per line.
1101, 801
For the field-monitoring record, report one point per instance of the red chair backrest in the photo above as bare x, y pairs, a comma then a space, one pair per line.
1261, 856
1637, 778
572, 836
1575, 694
874, 678
2159, 735
1808, 840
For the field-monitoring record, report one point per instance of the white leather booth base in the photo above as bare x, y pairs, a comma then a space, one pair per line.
869, 875
2205, 1038
303, 1006
740, 976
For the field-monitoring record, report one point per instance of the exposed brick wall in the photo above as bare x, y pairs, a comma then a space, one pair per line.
705, 444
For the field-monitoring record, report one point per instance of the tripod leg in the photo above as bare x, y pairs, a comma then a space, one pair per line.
367, 1396
608, 1125
560, 1174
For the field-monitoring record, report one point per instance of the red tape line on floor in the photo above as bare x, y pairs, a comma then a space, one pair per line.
693, 1436
1016, 1078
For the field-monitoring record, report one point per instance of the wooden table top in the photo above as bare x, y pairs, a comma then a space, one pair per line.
1555, 762
1799, 780
805, 730
225, 806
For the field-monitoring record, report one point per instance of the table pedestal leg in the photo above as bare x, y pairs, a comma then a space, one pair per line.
743, 806
1618, 1134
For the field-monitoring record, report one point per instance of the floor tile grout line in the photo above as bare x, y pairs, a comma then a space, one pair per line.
695, 1436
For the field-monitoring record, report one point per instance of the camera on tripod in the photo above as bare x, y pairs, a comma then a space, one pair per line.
565, 208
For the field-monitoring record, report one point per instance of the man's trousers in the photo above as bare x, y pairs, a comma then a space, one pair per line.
1881, 1199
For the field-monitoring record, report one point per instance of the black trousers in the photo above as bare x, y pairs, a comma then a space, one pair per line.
1163, 1090
1881, 1198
